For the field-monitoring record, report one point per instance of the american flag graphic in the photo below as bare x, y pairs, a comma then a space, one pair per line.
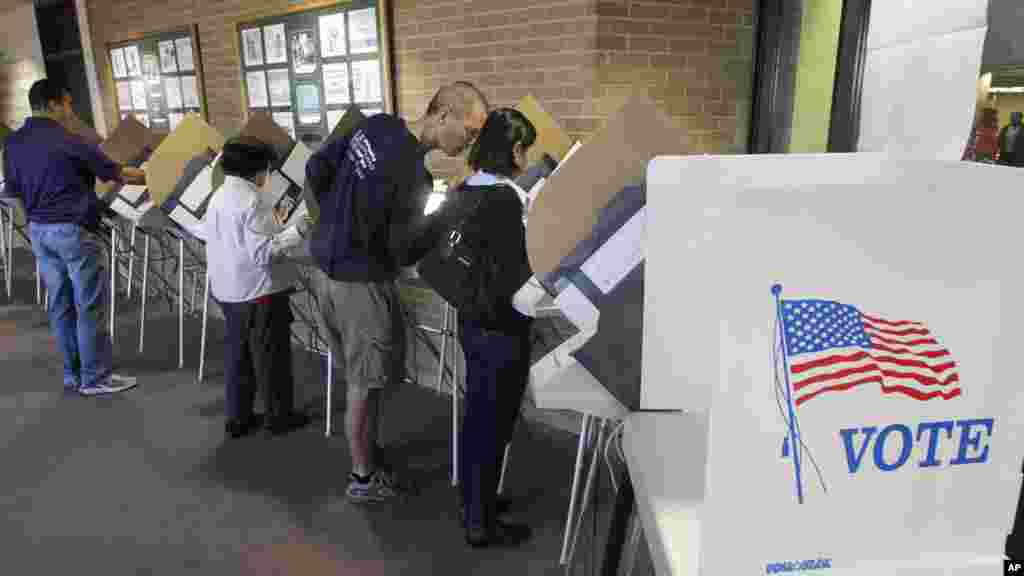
834, 347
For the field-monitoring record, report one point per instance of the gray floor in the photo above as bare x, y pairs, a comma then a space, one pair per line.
144, 483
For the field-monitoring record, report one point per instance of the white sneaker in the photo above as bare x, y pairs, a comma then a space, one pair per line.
116, 383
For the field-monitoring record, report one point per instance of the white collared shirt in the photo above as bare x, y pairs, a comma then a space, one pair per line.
244, 245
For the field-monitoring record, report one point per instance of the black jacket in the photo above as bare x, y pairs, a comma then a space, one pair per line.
501, 236
371, 186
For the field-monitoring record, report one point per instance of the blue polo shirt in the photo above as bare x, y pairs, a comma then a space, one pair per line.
54, 173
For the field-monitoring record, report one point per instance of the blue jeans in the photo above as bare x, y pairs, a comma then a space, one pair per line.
71, 261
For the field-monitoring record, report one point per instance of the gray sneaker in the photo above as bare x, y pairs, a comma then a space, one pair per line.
381, 488
116, 383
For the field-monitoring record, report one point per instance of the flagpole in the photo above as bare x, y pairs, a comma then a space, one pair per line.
793, 440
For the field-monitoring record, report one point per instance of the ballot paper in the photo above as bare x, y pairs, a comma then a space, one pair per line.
295, 166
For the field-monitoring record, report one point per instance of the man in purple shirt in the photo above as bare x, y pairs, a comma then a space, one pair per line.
53, 173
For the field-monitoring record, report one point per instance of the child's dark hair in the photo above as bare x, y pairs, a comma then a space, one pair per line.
246, 157
492, 151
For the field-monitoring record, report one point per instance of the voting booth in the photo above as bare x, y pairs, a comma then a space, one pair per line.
843, 358
585, 244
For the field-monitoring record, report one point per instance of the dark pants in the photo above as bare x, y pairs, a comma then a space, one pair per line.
497, 368
259, 355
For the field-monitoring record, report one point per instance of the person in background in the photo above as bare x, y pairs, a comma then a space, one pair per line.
245, 244
497, 350
371, 186
54, 173
1011, 145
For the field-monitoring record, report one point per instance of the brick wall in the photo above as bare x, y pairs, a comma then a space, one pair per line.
580, 58
695, 58
21, 60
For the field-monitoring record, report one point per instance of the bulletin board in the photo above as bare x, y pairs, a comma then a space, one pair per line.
158, 78
306, 68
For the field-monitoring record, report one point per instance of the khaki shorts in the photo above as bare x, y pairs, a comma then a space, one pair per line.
362, 322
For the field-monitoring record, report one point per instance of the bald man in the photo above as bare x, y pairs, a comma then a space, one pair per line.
372, 186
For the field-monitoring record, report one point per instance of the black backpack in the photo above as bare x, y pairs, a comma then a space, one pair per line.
460, 268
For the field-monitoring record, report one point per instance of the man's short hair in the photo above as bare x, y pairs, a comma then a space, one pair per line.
246, 157
45, 91
459, 96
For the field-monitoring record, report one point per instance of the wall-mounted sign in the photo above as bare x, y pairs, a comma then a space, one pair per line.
306, 67
157, 79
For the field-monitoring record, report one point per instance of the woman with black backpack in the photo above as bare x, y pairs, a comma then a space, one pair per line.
478, 266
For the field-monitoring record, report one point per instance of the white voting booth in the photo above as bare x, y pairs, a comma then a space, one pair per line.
828, 345
896, 376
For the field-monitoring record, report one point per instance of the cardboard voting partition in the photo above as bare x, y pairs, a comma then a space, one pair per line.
551, 138
854, 362
289, 174
130, 144
566, 209
167, 163
585, 239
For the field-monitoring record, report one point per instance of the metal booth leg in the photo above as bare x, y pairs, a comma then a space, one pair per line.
588, 489
145, 292
131, 261
504, 467
113, 280
330, 391
181, 302
455, 397
577, 471
206, 316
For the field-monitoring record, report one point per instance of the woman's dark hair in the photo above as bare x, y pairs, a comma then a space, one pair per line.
246, 157
492, 151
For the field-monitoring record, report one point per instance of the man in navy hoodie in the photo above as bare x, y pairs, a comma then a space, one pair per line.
371, 187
